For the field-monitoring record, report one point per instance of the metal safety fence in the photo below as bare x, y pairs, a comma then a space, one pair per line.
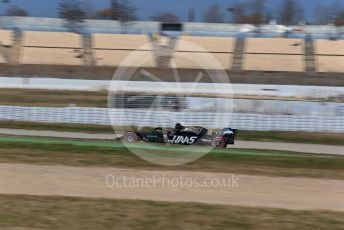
104, 116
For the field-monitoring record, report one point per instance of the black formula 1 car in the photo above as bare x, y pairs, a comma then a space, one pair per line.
185, 136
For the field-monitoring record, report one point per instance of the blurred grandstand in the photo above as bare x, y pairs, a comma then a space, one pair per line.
268, 54
296, 50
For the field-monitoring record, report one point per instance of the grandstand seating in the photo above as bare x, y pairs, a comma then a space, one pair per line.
116, 58
52, 39
274, 46
6, 37
274, 54
329, 64
266, 62
328, 47
329, 55
259, 54
53, 48
112, 49
193, 52
51, 56
196, 60
121, 42
206, 44
6, 40
2, 59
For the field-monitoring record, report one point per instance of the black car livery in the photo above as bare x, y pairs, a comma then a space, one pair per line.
188, 135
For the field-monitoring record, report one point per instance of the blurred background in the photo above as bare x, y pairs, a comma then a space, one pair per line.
283, 58
279, 80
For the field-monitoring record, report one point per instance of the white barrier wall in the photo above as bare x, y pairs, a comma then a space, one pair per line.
319, 92
241, 121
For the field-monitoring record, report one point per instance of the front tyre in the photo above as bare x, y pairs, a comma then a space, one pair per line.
130, 137
218, 142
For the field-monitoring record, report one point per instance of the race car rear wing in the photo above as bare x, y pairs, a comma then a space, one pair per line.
229, 134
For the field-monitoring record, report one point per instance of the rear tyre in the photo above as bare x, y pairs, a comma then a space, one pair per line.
130, 137
218, 142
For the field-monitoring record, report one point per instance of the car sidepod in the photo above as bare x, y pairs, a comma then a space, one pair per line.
183, 138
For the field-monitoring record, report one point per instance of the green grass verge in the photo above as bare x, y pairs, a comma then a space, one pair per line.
114, 154
39, 212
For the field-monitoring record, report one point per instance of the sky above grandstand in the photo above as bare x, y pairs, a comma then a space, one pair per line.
148, 8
